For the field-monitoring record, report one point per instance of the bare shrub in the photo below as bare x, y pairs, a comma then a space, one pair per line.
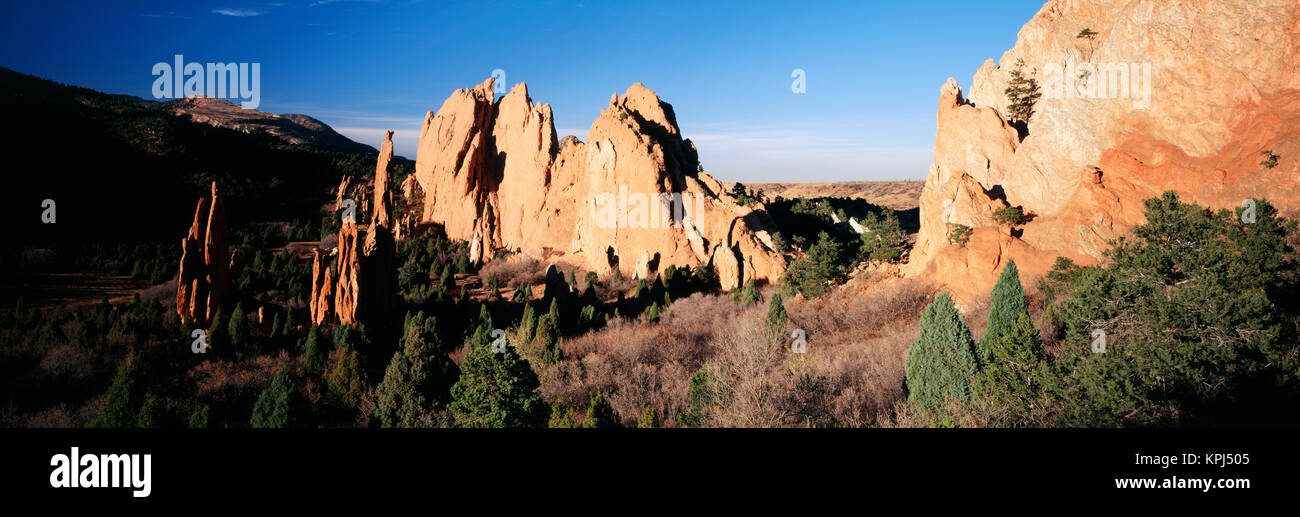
514, 271
221, 379
74, 363
858, 338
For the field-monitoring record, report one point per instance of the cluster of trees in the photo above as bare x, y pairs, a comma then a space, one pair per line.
429, 266
747, 197
1197, 317
833, 248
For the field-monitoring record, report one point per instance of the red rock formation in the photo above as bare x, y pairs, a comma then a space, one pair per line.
366, 283
347, 296
383, 196
495, 174
1196, 126
204, 284
322, 288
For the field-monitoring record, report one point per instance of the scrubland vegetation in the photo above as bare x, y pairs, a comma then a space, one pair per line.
1197, 309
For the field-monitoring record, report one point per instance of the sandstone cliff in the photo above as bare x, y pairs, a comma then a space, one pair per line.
494, 173
1222, 87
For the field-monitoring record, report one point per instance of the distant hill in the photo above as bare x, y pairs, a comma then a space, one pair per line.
897, 195
125, 168
292, 127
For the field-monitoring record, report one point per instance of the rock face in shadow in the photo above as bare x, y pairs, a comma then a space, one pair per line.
494, 173
1151, 103
203, 284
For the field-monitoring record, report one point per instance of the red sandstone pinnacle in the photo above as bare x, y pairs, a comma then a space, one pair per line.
203, 283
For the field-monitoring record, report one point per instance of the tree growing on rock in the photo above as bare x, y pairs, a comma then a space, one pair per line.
1023, 93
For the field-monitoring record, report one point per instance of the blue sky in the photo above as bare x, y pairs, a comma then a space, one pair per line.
873, 69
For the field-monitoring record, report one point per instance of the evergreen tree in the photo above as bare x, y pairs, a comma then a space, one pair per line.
122, 402
942, 360
703, 394
649, 419
219, 333
601, 415
276, 331
748, 295
496, 390
813, 274
348, 380
776, 314
238, 327
1198, 312
561, 417
316, 351
417, 381
1023, 92
277, 406
1014, 372
201, 419
151, 413
547, 336
1007, 304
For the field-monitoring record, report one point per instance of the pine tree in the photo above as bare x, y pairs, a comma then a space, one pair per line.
547, 337
649, 419
316, 351
1007, 304
749, 295
601, 415
417, 381
348, 380
151, 413
561, 417
813, 274
238, 327
1014, 371
201, 419
122, 402
276, 331
219, 333
496, 389
277, 406
776, 314
942, 360
1023, 92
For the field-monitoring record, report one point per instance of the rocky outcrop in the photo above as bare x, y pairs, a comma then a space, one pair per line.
321, 303
383, 197
494, 173
347, 293
203, 283
1178, 96
363, 282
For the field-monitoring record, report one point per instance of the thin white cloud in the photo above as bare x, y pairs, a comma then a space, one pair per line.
237, 12
327, 2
